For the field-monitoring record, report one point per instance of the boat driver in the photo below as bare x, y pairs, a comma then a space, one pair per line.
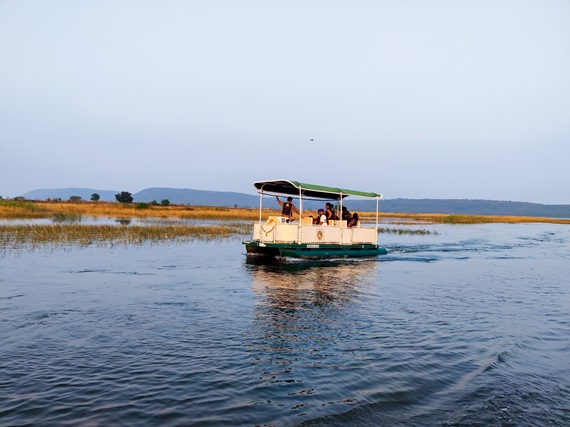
288, 208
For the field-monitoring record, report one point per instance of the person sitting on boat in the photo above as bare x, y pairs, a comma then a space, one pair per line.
321, 218
353, 220
288, 208
331, 215
346, 214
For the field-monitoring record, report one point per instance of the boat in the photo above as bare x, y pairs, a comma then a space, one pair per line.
279, 236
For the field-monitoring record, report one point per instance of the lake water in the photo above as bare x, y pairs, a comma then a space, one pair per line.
469, 327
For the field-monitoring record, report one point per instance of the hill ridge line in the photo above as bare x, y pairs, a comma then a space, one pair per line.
197, 197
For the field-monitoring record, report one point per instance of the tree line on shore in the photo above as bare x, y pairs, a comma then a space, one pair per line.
122, 197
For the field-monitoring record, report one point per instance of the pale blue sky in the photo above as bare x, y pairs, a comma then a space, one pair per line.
413, 99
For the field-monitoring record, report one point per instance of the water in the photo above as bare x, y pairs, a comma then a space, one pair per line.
467, 327
86, 220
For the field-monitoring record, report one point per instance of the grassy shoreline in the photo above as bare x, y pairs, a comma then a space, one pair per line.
30, 210
414, 219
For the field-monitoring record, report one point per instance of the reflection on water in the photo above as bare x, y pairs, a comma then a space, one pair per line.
284, 291
295, 284
304, 328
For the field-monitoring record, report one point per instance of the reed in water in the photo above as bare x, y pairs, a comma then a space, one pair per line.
18, 236
421, 231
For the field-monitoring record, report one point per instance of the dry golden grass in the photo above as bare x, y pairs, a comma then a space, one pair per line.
13, 210
31, 236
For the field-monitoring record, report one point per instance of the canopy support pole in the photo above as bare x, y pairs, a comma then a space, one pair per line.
300, 204
260, 204
299, 230
377, 202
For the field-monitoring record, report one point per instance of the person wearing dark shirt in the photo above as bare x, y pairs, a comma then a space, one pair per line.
288, 208
353, 220
345, 214
330, 213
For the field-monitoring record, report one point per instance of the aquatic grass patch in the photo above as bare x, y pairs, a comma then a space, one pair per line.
421, 232
463, 219
59, 218
415, 219
66, 234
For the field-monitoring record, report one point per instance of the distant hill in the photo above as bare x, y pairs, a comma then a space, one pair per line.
465, 206
185, 196
189, 196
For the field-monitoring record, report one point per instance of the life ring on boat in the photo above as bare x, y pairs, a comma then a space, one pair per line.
271, 220
320, 234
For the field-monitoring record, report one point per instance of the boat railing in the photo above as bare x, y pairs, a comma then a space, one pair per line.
279, 231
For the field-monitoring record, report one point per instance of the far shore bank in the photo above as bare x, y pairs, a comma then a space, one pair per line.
33, 209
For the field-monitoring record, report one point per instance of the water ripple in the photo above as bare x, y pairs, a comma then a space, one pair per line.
450, 329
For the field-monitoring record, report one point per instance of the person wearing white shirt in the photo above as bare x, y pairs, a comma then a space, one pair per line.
321, 218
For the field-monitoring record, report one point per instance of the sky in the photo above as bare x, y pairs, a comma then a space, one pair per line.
444, 99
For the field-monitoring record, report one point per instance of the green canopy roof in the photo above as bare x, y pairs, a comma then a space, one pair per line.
294, 188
